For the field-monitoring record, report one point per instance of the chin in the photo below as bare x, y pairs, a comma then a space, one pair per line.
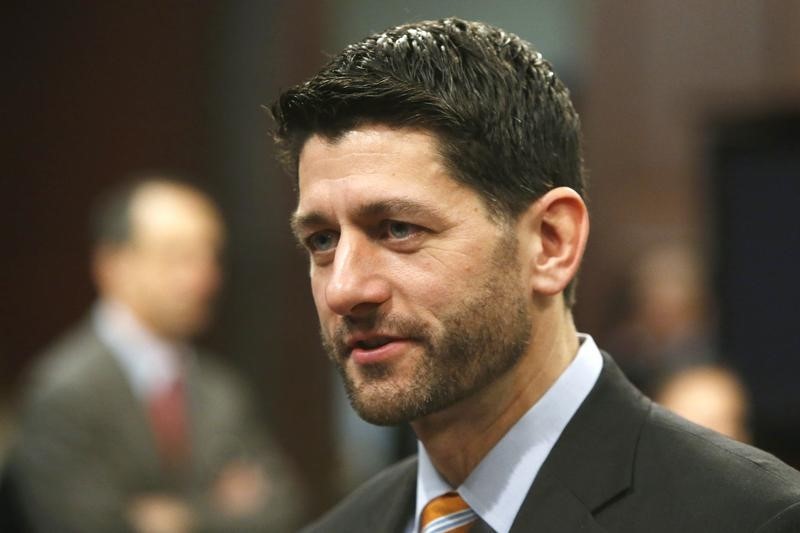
386, 402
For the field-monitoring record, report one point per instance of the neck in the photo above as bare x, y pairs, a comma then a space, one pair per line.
459, 437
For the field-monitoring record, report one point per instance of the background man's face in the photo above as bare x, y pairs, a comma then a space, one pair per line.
418, 292
169, 273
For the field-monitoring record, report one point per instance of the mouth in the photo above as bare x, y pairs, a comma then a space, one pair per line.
371, 343
370, 349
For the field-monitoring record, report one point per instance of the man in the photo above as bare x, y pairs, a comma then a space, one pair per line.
126, 426
709, 395
441, 200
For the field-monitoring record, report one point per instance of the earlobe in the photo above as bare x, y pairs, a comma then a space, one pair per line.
554, 233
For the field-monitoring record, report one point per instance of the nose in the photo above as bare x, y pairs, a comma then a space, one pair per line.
356, 285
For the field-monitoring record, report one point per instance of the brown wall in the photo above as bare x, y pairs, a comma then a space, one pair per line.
658, 73
91, 92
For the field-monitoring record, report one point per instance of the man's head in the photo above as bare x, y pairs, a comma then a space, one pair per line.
709, 395
440, 182
157, 242
503, 121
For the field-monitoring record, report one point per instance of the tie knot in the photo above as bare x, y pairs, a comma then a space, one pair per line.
447, 513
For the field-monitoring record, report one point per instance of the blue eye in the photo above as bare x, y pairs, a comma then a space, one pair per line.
322, 241
399, 230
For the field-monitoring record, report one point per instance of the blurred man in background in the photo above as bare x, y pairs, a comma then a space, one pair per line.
710, 395
126, 426
669, 323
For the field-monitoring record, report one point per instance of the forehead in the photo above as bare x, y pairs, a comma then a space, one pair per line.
373, 163
161, 212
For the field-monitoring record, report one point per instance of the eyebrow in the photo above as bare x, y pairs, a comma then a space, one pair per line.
300, 222
390, 207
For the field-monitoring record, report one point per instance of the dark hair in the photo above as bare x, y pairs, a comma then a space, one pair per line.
504, 122
110, 222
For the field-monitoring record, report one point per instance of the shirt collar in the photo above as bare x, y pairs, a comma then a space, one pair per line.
497, 487
150, 362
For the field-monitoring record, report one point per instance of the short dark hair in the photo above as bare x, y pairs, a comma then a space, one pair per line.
110, 222
504, 121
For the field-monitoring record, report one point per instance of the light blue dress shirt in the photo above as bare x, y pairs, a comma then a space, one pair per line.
150, 363
497, 487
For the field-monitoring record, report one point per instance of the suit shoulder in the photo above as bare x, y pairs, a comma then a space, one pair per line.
70, 359
704, 459
216, 372
786, 521
372, 495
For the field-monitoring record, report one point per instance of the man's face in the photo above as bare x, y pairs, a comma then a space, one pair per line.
169, 273
418, 291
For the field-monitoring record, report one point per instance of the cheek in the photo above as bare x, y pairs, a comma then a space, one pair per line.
428, 284
318, 294
143, 280
168, 281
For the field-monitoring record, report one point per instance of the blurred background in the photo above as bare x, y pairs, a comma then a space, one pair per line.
691, 115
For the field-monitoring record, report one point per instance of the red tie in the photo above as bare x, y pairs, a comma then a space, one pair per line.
168, 416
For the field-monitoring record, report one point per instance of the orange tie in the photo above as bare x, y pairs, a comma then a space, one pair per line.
447, 513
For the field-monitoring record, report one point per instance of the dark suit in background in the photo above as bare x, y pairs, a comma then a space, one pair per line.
87, 447
125, 426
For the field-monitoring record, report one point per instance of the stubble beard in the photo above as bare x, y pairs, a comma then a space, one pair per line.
480, 340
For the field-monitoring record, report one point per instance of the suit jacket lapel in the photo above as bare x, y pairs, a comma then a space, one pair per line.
128, 414
592, 462
554, 509
397, 504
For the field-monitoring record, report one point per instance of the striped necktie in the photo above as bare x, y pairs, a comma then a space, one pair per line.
447, 513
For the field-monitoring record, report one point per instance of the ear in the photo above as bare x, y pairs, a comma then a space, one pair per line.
109, 268
553, 234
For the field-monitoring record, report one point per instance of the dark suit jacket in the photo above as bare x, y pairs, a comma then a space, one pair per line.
622, 464
86, 447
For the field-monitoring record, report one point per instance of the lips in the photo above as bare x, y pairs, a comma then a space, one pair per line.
372, 343
368, 341
375, 348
